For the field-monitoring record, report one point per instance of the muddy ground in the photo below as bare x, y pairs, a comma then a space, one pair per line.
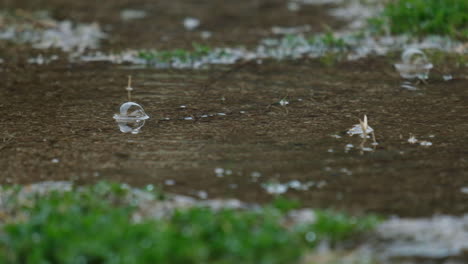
57, 119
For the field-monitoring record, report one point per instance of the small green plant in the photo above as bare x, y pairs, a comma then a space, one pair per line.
422, 17
330, 41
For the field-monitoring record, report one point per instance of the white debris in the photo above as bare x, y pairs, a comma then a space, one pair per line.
290, 30
348, 147
191, 23
219, 172
357, 130
55, 160
408, 86
412, 139
70, 38
275, 188
132, 14
283, 102
293, 6
448, 77
202, 194
43, 33
464, 190
288, 47
346, 171
256, 174
437, 237
425, 143
206, 34
169, 182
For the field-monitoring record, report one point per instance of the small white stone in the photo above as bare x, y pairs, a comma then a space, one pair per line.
202, 195
169, 182
191, 23
283, 102
425, 143
412, 140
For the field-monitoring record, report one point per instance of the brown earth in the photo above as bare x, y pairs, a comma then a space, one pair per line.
64, 111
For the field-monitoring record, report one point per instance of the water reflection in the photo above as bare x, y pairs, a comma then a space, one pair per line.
414, 65
131, 118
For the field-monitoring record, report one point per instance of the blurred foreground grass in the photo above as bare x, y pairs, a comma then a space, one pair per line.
96, 224
423, 17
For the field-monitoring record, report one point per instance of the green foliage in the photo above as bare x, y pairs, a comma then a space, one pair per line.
340, 226
442, 17
284, 205
94, 225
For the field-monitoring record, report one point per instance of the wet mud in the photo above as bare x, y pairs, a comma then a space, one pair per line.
57, 121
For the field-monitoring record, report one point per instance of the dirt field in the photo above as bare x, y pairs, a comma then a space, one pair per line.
57, 119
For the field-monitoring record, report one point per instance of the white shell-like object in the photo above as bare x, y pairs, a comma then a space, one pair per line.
357, 130
414, 65
131, 118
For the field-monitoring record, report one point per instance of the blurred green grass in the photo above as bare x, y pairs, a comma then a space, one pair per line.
94, 225
424, 17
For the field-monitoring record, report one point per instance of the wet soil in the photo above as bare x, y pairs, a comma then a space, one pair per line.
64, 111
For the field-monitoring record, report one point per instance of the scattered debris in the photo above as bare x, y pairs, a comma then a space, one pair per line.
425, 143
283, 102
280, 188
169, 182
434, 238
447, 77
362, 129
40, 30
290, 30
412, 139
132, 14
191, 23
408, 86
